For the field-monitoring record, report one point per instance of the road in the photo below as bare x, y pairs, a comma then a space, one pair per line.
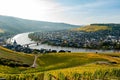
34, 63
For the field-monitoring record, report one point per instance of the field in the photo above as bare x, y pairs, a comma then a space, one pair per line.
62, 66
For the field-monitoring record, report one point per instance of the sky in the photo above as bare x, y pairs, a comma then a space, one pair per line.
77, 12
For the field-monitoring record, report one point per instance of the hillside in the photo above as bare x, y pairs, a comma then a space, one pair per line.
12, 24
89, 66
68, 60
57, 61
92, 28
11, 58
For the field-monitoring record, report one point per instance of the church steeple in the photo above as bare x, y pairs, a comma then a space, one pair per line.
14, 43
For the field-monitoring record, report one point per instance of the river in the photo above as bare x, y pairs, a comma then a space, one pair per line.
23, 39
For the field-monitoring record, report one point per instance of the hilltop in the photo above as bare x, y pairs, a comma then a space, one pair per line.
92, 28
13, 24
98, 27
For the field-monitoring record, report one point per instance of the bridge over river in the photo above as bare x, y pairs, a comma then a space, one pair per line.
28, 44
23, 40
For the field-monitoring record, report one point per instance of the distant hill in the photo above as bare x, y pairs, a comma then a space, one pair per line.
98, 27
107, 24
92, 28
12, 24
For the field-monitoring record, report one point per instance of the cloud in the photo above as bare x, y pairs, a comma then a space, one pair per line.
52, 10
45, 10
93, 12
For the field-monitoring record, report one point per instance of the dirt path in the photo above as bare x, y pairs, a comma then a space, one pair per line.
34, 63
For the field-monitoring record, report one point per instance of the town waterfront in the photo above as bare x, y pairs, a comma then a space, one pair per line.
23, 39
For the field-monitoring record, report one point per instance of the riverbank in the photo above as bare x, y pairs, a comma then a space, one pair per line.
23, 39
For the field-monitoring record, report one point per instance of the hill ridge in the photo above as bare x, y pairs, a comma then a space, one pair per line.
14, 24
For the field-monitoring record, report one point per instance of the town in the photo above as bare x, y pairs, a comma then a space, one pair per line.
26, 49
104, 39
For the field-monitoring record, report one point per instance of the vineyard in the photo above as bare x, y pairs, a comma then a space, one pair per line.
101, 74
60, 66
92, 28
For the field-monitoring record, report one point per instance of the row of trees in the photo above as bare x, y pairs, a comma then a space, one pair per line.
12, 63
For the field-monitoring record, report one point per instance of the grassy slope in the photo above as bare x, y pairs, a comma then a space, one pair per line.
15, 56
89, 65
92, 28
60, 62
73, 62
56, 63
70, 60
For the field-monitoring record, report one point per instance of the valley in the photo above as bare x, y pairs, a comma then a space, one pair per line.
59, 39
85, 53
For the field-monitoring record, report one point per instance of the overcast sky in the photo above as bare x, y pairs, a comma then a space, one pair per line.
67, 11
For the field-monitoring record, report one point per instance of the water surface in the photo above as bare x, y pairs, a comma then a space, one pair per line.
23, 39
